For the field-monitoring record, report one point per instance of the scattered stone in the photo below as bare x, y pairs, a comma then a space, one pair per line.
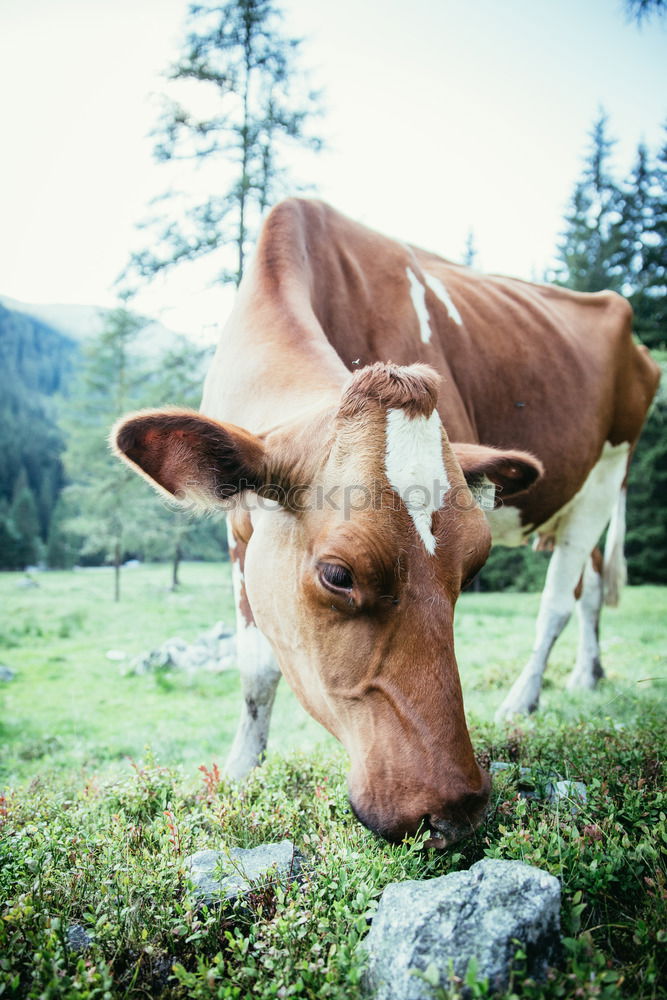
26, 582
498, 766
425, 932
227, 875
532, 785
213, 651
6, 673
572, 791
116, 654
78, 938
529, 786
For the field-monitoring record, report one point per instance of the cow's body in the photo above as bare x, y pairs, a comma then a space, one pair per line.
530, 370
535, 367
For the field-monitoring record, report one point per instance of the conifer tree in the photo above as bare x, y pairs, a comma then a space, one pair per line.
10, 542
642, 10
649, 297
25, 523
234, 128
110, 510
592, 253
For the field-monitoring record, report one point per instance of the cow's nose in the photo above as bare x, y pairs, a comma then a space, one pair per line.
459, 818
448, 817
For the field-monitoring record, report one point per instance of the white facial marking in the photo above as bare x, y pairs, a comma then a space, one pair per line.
418, 296
441, 293
415, 468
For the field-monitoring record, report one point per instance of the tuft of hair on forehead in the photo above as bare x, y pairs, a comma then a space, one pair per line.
413, 388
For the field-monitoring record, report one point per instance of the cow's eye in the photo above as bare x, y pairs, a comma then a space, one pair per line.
335, 577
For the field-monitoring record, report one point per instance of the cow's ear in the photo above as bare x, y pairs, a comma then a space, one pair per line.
496, 475
195, 460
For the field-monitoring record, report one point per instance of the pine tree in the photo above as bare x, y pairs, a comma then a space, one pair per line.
642, 10
25, 522
649, 295
470, 250
10, 541
62, 545
244, 68
592, 254
111, 511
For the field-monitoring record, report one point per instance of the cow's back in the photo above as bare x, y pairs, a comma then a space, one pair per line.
523, 365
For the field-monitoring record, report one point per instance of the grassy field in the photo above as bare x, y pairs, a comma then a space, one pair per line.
94, 826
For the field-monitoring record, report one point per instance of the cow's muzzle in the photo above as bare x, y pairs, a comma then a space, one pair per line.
448, 820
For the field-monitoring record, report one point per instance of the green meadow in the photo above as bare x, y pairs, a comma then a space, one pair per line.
104, 795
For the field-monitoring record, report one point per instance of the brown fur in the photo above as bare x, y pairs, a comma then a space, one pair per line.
413, 389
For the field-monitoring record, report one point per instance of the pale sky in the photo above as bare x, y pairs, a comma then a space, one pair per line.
441, 116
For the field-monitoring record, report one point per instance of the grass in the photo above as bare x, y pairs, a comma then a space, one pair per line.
92, 838
71, 707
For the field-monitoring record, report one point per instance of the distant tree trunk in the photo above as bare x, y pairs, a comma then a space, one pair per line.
175, 564
116, 570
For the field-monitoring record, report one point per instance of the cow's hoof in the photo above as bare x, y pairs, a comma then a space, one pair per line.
507, 712
585, 678
522, 700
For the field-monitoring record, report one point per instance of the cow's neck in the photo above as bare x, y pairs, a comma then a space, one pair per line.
274, 365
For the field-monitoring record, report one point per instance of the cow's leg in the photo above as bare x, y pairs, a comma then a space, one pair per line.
259, 676
576, 530
588, 669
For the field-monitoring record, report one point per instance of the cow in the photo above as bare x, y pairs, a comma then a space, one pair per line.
373, 419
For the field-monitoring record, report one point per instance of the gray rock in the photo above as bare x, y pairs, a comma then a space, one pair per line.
423, 932
213, 651
533, 784
6, 673
569, 791
227, 875
78, 938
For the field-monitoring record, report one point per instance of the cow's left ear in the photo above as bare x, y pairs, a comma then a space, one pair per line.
510, 472
189, 457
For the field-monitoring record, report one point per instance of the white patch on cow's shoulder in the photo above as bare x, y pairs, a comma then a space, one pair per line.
418, 296
441, 293
415, 468
506, 527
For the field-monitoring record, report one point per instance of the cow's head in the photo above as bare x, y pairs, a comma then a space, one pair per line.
363, 531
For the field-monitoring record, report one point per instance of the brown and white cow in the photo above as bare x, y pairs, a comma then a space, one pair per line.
366, 401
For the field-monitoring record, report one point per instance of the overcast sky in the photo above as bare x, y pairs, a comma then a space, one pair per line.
441, 116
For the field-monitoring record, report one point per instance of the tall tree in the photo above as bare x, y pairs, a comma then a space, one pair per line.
25, 519
592, 253
645, 224
111, 514
469, 250
649, 298
235, 127
642, 10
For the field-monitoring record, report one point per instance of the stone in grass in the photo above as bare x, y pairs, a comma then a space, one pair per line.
531, 786
227, 875
424, 932
78, 938
6, 673
213, 651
